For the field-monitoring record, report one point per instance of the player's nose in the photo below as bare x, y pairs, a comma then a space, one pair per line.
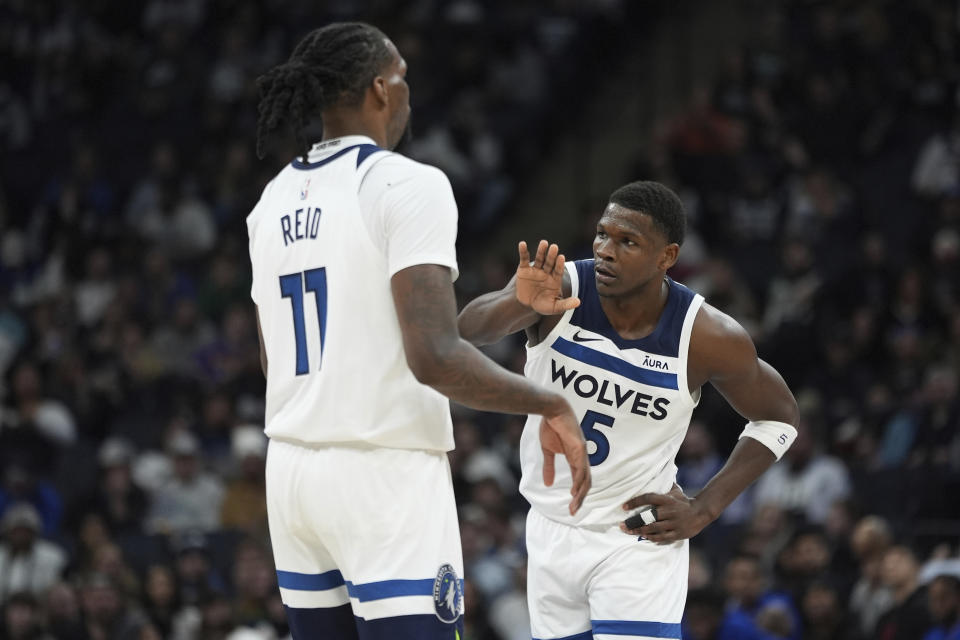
602, 248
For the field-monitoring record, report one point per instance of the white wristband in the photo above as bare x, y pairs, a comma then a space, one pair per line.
776, 436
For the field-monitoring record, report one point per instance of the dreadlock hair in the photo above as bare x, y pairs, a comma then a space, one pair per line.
331, 65
658, 202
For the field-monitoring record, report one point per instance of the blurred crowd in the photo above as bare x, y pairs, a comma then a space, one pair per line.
821, 175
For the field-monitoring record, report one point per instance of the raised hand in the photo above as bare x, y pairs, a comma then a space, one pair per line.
540, 281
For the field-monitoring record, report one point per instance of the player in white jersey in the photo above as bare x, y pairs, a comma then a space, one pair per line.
352, 249
630, 348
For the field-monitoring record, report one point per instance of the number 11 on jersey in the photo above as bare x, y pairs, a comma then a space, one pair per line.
293, 286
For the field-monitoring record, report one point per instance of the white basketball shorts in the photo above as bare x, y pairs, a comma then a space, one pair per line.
598, 583
372, 528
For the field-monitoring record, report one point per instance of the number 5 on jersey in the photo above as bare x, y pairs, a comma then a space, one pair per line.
591, 434
293, 286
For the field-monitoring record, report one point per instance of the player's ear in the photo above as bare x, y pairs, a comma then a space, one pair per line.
669, 256
379, 88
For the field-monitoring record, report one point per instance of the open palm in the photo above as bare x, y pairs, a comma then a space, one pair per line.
540, 281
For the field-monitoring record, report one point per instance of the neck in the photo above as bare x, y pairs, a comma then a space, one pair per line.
338, 123
635, 315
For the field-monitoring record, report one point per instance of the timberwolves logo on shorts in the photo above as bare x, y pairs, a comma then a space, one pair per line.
446, 594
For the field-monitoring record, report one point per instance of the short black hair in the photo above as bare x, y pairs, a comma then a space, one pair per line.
331, 65
658, 202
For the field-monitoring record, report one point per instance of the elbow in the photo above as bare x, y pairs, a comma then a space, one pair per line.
429, 365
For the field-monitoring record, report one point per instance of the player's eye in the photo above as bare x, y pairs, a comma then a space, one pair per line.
601, 233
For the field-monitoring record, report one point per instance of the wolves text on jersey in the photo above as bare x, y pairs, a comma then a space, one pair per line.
305, 223
609, 393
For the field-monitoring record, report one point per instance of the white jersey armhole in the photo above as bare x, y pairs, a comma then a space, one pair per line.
534, 350
685, 335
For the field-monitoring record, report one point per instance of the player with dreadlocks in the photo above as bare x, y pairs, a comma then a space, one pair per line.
352, 248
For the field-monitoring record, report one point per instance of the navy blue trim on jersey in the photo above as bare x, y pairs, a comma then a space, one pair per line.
363, 592
366, 150
586, 635
665, 339
390, 589
615, 365
637, 628
310, 581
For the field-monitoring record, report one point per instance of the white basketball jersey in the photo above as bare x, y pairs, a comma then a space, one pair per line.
631, 396
325, 239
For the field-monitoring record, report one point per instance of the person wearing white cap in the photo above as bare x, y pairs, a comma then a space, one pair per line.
27, 563
191, 498
245, 504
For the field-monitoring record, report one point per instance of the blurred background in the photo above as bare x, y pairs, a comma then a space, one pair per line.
816, 146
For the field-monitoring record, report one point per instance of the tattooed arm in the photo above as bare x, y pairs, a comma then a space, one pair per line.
440, 358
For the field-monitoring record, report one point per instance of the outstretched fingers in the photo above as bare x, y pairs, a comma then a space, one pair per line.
524, 254
558, 265
541, 255
550, 263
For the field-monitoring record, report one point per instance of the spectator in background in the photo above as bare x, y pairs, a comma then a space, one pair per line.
108, 560
899, 571
216, 617
943, 602
476, 618
176, 343
196, 576
698, 462
106, 615
27, 563
22, 485
254, 582
120, 502
35, 427
244, 505
191, 498
824, 617
753, 611
161, 604
804, 561
937, 168
509, 614
703, 615
97, 290
806, 481
63, 612
870, 597
23, 619
180, 223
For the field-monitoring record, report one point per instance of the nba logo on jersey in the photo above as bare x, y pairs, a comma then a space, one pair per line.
305, 189
446, 594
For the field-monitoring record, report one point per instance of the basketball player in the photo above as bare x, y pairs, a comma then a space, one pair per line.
352, 248
630, 348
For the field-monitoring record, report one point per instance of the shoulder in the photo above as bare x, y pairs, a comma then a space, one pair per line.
720, 348
264, 197
49, 552
715, 334
395, 168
